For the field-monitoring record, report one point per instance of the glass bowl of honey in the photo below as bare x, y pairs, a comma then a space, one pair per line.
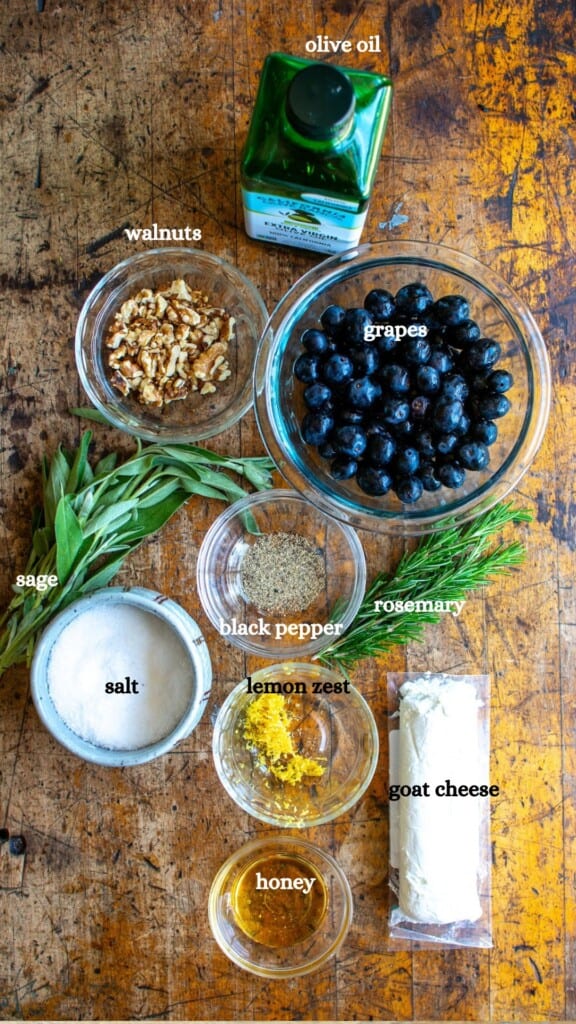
280, 907
295, 745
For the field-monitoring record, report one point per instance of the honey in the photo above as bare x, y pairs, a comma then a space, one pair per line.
286, 912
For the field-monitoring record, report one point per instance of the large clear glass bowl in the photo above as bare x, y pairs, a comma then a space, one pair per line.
197, 416
345, 280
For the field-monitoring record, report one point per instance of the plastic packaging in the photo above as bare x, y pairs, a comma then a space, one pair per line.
439, 803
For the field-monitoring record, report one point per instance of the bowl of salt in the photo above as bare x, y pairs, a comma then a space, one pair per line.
121, 676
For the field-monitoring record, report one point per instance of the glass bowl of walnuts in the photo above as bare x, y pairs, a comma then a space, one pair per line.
165, 344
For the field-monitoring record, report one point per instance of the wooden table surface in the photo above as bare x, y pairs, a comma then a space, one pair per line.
128, 113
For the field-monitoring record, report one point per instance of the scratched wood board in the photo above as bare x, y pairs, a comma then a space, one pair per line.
119, 116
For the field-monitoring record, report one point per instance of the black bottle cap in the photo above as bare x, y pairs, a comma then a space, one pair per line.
320, 101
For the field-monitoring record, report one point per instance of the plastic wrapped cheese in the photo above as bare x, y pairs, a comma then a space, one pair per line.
438, 844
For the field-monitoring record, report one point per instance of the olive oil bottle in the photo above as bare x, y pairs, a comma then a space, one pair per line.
312, 152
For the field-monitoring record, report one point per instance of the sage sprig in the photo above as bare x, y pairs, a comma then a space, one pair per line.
444, 566
93, 517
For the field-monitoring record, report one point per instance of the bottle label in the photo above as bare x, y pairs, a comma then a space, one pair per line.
320, 223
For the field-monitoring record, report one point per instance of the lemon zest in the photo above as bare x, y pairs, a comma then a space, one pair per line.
267, 727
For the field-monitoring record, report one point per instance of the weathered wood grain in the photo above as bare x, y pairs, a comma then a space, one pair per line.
122, 114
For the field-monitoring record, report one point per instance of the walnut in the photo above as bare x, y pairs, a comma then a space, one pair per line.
128, 310
171, 368
116, 339
120, 383
130, 370
150, 394
145, 337
227, 329
181, 290
176, 389
205, 366
160, 305
182, 332
149, 364
210, 331
166, 344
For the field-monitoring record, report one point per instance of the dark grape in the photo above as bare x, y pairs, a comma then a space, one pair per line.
411, 409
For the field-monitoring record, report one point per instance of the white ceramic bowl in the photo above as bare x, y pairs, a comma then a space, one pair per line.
186, 632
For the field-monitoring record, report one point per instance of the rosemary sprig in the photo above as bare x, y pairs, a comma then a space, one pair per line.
92, 518
444, 566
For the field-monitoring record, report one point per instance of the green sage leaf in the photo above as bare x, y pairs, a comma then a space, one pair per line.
105, 465
192, 455
42, 540
261, 479
148, 520
55, 486
159, 494
195, 487
84, 508
87, 413
112, 494
81, 472
103, 576
222, 482
136, 466
115, 515
69, 538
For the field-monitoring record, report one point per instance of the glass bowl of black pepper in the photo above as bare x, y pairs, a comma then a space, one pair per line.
279, 578
402, 387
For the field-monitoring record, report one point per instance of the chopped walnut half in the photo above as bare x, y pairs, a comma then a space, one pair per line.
166, 344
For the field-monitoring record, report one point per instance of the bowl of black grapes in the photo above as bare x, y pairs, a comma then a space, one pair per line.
402, 386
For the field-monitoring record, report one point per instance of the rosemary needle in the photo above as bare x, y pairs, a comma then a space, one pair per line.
444, 567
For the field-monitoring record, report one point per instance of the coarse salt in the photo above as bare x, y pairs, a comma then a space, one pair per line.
106, 645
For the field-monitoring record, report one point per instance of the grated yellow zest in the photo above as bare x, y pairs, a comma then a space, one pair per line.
267, 727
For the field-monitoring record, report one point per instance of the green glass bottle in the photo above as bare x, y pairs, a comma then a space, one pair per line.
312, 152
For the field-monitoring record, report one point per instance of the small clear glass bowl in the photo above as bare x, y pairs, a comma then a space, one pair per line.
197, 416
336, 729
219, 575
186, 633
297, 958
345, 280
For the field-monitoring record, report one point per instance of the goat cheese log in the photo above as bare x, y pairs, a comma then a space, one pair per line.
439, 739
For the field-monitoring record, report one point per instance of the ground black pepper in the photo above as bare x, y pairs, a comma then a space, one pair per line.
282, 573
